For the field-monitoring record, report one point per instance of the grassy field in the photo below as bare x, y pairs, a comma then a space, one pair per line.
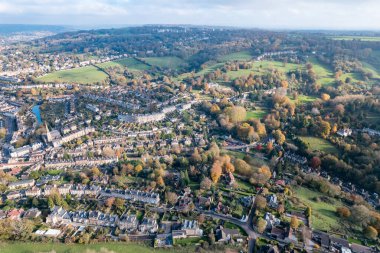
319, 144
79, 248
263, 66
84, 75
324, 73
362, 38
164, 62
303, 99
131, 63
259, 113
323, 214
238, 56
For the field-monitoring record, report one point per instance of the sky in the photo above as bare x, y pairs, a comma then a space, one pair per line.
280, 14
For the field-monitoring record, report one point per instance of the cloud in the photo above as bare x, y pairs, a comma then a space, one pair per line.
248, 13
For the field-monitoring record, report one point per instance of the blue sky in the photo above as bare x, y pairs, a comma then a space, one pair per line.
325, 14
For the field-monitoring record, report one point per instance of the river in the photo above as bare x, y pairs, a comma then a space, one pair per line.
37, 113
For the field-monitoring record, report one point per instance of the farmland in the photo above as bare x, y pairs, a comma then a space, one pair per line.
131, 63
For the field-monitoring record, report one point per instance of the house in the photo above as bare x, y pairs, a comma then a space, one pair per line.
3, 214
128, 222
21, 184
191, 228
32, 213
344, 132
14, 195
271, 220
148, 225
15, 214
163, 241
226, 234
272, 201
33, 192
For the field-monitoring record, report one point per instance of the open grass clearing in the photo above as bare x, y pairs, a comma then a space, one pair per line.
323, 214
319, 144
164, 62
131, 63
259, 113
80, 248
83, 75
238, 56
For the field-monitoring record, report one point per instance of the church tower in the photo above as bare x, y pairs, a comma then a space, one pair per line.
48, 135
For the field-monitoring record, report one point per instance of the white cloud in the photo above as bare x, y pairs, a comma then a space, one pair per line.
249, 13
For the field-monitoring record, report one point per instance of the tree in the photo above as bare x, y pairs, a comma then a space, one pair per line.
343, 212
325, 97
138, 168
119, 205
160, 181
260, 202
360, 215
308, 212
171, 198
294, 222
109, 202
261, 225
370, 232
216, 171
236, 113
206, 183
315, 162
279, 136
3, 132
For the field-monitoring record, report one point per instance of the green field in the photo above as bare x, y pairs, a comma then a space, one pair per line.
319, 144
78, 248
131, 63
164, 62
259, 113
262, 66
84, 75
362, 38
323, 214
239, 56
303, 99
325, 74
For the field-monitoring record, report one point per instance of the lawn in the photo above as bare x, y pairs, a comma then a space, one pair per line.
323, 214
303, 99
131, 63
238, 56
324, 72
319, 144
78, 248
259, 113
84, 75
262, 66
164, 62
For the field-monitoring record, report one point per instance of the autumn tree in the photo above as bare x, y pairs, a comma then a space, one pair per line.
138, 168
206, 184
236, 113
216, 171
279, 136
315, 162
260, 202
261, 225
294, 222
370, 232
171, 198
325, 97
